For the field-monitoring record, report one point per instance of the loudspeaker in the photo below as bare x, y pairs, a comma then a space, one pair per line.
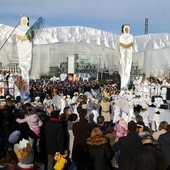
168, 94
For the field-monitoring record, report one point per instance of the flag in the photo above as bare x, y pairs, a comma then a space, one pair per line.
37, 25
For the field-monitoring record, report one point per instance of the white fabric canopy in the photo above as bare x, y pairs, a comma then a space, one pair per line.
150, 52
91, 35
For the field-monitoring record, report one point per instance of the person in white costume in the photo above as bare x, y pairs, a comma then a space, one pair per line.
144, 113
2, 84
117, 113
11, 84
24, 47
126, 44
156, 120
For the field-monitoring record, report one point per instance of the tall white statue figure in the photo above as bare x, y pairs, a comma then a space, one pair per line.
24, 47
126, 44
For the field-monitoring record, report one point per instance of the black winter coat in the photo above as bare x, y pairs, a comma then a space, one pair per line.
164, 141
100, 153
148, 157
81, 131
54, 136
127, 145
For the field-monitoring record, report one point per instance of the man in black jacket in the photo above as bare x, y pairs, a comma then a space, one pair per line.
127, 145
54, 138
164, 142
147, 157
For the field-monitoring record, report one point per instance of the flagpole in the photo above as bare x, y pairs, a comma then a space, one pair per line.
9, 36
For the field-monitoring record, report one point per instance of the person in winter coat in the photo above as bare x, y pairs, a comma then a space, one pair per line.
32, 120
127, 145
100, 153
161, 130
54, 138
164, 141
147, 157
81, 131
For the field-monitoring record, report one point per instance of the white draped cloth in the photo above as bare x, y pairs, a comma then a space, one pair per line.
24, 52
125, 58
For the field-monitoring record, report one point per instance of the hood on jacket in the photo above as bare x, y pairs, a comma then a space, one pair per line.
97, 140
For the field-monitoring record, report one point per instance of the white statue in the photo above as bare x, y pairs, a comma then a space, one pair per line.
126, 44
24, 47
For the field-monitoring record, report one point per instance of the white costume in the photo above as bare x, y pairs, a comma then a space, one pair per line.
96, 114
2, 85
145, 116
11, 84
126, 43
116, 115
24, 47
155, 121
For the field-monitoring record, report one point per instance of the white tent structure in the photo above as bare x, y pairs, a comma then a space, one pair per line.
52, 46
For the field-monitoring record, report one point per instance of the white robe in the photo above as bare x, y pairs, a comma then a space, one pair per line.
125, 59
24, 52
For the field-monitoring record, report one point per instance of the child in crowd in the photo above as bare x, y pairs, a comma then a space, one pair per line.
32, 120
121, 130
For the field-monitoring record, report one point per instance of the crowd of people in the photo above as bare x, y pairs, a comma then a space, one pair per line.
79, 125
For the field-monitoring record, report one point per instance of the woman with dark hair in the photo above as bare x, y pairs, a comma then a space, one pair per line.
100, 153
161, 130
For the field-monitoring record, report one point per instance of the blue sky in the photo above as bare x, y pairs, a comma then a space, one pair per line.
107, 15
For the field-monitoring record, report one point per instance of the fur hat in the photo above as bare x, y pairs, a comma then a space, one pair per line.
14, 137
24, 152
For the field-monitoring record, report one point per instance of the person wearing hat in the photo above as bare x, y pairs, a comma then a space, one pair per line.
120, 130
141, 129
47, 102
25, 155
54, 135
147, 157
37, 103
